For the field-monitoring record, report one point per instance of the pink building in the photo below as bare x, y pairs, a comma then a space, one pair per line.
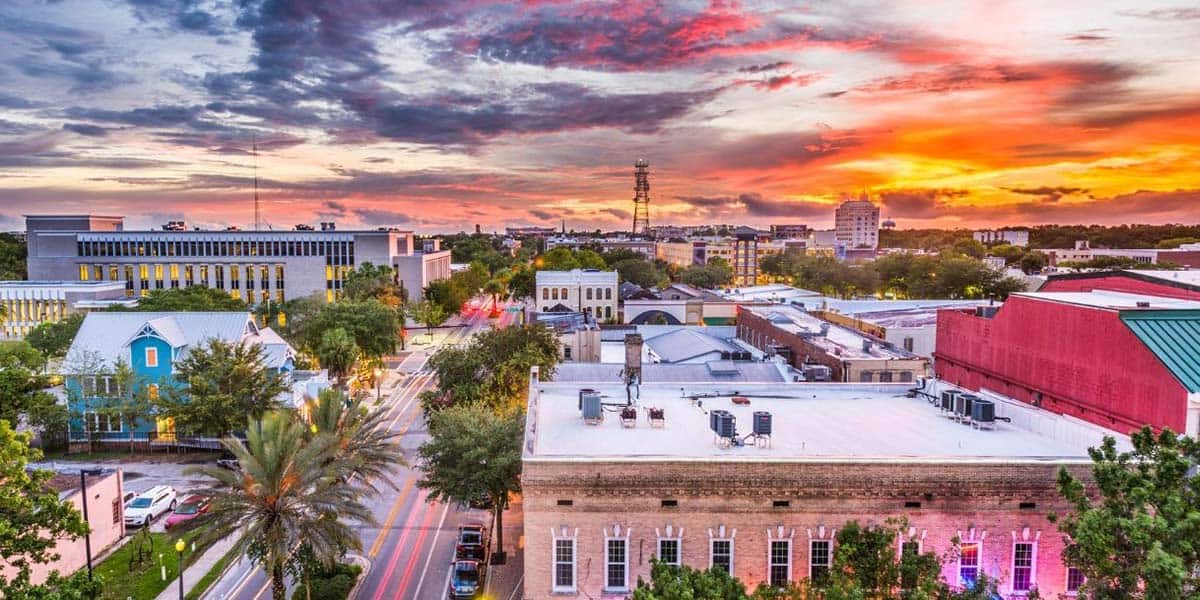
691, 476
106, 516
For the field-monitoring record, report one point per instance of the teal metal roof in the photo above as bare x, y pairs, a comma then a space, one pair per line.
1174, 337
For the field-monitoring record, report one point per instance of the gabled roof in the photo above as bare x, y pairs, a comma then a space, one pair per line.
686, 343
107, 335
1174, 337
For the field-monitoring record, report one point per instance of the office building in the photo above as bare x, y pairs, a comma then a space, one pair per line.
856, 223
1015, 237
28, 304
255, 266
588, 291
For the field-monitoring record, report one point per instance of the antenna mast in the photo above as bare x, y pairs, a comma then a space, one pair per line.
641, 197
257, 218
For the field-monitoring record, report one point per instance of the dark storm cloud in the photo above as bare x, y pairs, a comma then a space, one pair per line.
85, 129
783, 64
919, 203
156, 116
544, 215
753, 205
1047, 193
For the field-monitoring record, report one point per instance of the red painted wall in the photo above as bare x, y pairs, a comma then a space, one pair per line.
1085, 362
1118, 283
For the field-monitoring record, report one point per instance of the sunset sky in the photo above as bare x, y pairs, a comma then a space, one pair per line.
437, 115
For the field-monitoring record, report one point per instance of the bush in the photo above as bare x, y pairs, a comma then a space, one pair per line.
333, 584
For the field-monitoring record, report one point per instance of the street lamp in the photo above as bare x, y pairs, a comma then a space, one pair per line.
87, 537
179, 546
378, 385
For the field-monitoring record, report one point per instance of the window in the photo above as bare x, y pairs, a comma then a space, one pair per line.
864, 376
545, 293
968, 564
116, 510
668, 551
152, 391
554, 293
614, 574
721, 555
1022, 572
84, 273
607, 312
564, 565
608, 293
151, 357
567, 352
780, 568
564, 293
908, 344
1075, 580
589, 293
819, 560
885, 376
103, 422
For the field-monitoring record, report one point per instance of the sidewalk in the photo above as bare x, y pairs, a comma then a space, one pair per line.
506, 582
197, 570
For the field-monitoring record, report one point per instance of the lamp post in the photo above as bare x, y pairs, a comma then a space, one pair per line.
378, 385
179, 546
87, 537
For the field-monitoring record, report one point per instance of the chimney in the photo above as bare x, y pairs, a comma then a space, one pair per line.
633, 357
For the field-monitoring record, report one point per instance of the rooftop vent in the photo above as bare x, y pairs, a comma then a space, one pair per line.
328, 226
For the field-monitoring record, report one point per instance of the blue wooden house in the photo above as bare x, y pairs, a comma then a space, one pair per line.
151, 343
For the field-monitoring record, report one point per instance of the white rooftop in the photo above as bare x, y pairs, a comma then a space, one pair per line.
1189, 277
106, 335
837, 340
1113, 300
576, 277
775, 292
811, 422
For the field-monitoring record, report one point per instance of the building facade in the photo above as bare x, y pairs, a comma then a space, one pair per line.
28, 304
255, 266
1115, 359
1015, 237
150, 344
603, 496
589, 291
856, 223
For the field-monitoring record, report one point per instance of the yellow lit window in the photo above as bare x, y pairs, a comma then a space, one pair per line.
83, 273
152, 391
158, 272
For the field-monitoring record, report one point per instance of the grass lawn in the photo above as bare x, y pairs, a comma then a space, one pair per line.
114, 454
143, 581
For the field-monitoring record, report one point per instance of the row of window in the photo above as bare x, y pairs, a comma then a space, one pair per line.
607, 313
549, 293
336, 253
22, 315
140, 279
779, 568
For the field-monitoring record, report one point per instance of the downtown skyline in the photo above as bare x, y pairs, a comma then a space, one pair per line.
437, 117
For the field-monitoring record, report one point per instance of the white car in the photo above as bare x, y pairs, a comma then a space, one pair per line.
149, 505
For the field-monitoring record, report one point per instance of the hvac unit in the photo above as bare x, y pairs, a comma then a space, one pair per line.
581, 394
983, 413
723, 423
962, 406
948, 397
592, 411
817, 373
762, 422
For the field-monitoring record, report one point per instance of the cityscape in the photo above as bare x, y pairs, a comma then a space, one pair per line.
712, 300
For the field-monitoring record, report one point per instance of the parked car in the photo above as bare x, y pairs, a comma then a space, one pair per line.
229, 461
464, 580
192, 507
149, 505
471, 543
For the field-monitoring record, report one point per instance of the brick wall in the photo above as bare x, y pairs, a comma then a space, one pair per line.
738, 501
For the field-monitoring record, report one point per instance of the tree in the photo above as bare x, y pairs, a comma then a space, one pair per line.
337, 352
218, 385
430, 314
195, 298
450, 294
130, 399
496, 289
32, 520
866, 564
473, 453
709, 276
21, 352
365, 447
53, 339
1033, 262
373, 325
370, 281
492, 368
13, 253
1135, 535
21, 390
522, 283
669, 582
639, 271
285, 496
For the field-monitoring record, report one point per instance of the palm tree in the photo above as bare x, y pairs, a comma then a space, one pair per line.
363, 447
287, 494
497, 289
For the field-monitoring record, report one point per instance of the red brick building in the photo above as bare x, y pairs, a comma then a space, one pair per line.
1169, 284
1115, 359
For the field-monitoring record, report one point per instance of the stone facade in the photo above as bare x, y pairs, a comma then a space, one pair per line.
586, 504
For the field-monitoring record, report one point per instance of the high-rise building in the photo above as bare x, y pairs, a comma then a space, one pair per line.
857, 223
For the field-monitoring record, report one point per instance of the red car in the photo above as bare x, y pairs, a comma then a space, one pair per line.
192, 507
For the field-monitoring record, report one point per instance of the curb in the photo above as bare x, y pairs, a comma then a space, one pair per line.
363, 562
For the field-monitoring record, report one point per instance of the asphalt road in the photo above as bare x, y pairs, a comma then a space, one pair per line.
411, 546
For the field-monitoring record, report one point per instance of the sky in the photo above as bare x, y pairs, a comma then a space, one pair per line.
435, 115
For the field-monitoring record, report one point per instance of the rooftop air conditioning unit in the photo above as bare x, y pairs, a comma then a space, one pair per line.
962, 406
722, 423
762, 422
983, 413
592, 411
948, 398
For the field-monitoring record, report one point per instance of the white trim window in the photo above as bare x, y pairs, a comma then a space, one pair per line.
151, 356
616, 564
99, 422
564, 564
1075, 580
1024, 561
720, 554
820, 559
779, 562
969, 558
670, 551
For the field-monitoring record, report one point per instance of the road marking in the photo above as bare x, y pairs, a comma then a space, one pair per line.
432, 548
391, 518
244, 579
412, 559
409, 525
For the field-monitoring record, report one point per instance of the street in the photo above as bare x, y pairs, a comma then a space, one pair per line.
412, 545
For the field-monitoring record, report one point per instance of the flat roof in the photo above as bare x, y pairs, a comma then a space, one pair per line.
1189, 277
811, 422
837, 340
1113, 300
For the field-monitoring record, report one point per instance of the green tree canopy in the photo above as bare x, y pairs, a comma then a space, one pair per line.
195, 298
1136, 535
377, 282
639, 271
54, 338
492, 368
668, 582
715, 274
374, 326
217, 386
12, 257
430, 314
22, 392
337, 352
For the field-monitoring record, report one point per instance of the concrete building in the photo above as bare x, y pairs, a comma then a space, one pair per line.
1015, 237
151, 344
857, 224
28, 304
907, 324
589, 291
803, 339
1186, 256
602, 495
578, 334
106, 519
774, 293
681, 304
255, 266
791, 231
646, 248
1116, 359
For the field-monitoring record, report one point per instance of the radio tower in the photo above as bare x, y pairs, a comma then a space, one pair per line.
641, 197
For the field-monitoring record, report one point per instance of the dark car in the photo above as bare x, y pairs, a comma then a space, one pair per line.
464, 580
229, 460
471, 543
